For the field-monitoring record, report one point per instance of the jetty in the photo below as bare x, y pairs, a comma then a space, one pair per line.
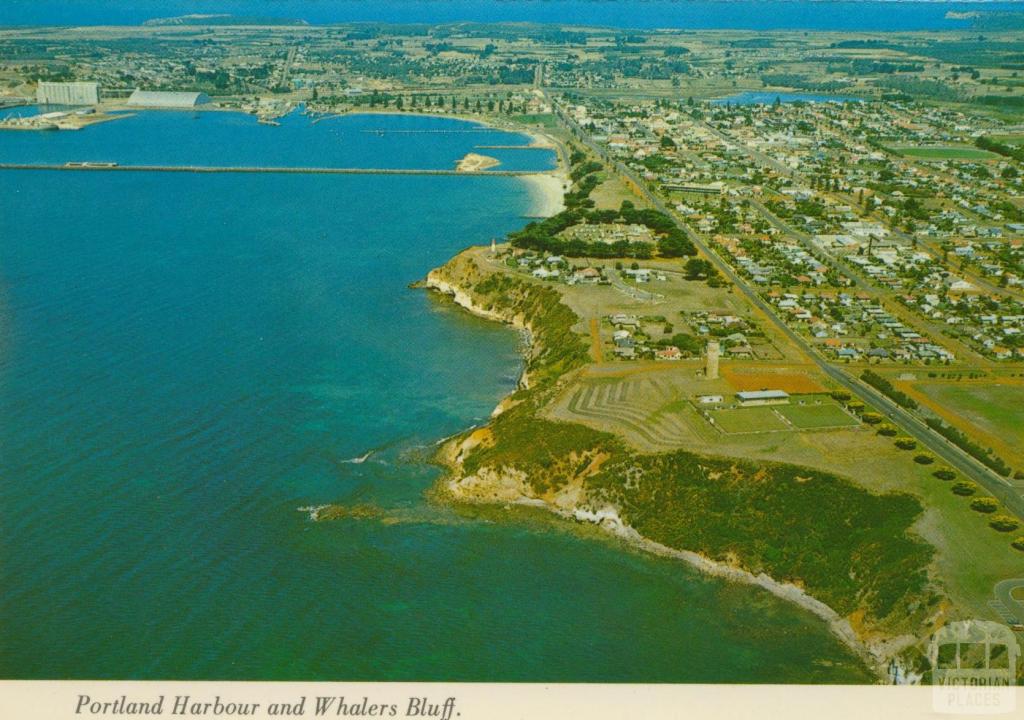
532, 146
76, 166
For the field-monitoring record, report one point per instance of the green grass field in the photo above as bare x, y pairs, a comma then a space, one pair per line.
946, 152
545, 119
748, 420
1014, 139
995, 409
825, 415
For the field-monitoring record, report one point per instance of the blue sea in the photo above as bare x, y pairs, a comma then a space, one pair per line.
187, 360
751, 97
865, 15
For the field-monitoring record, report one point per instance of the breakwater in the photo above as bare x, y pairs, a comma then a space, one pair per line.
110, 167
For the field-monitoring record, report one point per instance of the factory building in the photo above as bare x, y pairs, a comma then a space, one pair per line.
68, 93
167, 100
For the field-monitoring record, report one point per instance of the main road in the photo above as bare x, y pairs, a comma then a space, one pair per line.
1010, 496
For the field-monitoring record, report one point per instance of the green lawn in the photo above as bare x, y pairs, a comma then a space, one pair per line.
946, 152
1014, 139
811, 416
748, 420
545, 119
996, 409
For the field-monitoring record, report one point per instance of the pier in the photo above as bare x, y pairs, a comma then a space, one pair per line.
532, 146
114, 167
428, 132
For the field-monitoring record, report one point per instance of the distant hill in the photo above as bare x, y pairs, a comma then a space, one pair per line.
224, 19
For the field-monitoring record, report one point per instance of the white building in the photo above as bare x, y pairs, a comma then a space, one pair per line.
167, 100
68, 93
762, 397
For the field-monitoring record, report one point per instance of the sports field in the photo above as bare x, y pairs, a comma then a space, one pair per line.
946, 152
748, 420
811, 416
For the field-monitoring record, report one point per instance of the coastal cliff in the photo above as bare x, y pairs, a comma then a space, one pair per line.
812, 538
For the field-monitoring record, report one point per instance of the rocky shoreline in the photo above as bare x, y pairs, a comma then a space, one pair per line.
510, 486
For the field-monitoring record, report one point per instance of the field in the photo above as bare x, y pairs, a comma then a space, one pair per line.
818, 413
546, 120
767, 378
748, 420
1014, 139
946, 152
993, 412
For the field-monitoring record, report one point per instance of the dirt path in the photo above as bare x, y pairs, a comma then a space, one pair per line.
595, 341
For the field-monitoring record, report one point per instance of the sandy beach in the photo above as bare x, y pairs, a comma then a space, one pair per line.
546, 193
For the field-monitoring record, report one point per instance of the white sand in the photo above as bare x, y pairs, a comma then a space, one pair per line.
546, 193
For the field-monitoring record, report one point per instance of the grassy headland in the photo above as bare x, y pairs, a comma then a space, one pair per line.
827, 543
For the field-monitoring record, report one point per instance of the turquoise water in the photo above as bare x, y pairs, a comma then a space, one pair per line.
767, 98
186, 360
691, 14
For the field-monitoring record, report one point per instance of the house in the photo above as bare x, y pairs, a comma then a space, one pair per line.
621, 320
669, 353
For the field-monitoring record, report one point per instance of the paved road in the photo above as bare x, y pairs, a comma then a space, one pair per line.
999, 487
1005, 597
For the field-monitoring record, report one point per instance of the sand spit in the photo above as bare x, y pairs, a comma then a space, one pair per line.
474, 162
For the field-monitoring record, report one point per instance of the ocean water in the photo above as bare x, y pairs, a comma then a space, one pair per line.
750, 97
187, 360
680, 14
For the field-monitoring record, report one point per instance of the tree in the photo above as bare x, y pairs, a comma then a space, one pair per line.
985, 505
1004, 523
696, 268
964, 488
687, 343
675, 245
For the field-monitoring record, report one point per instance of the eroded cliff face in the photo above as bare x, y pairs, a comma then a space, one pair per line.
457, 279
